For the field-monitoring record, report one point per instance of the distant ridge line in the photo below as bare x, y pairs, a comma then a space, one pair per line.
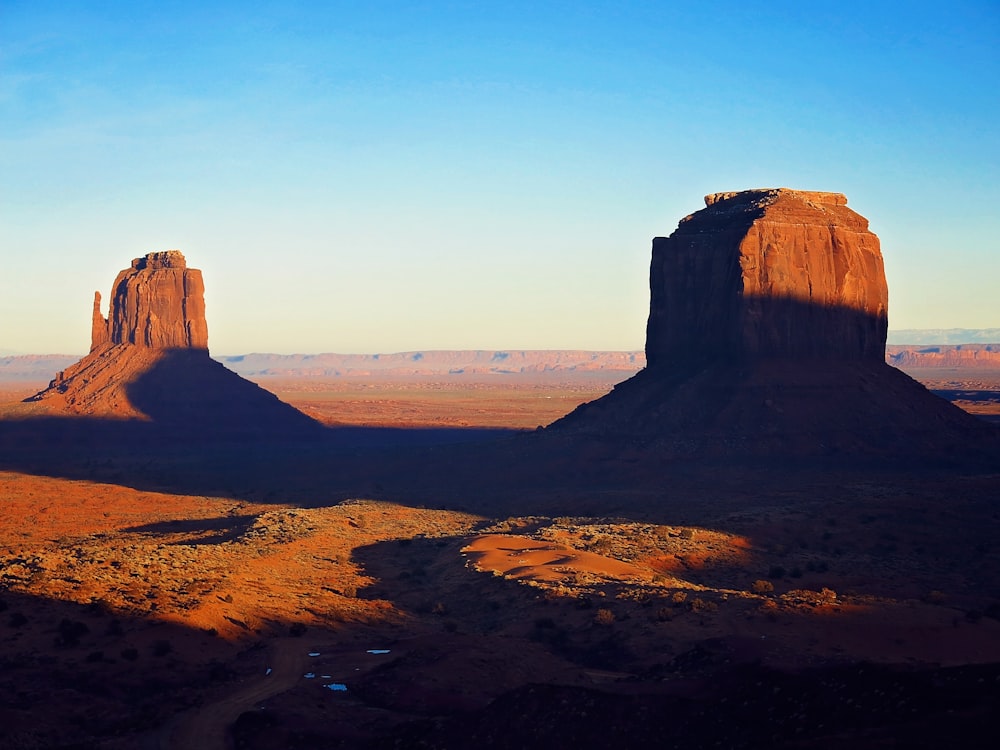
581, 363
921, 336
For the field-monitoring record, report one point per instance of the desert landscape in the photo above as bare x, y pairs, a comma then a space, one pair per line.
756, 533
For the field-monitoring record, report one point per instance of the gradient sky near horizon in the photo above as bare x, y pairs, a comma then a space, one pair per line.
395, 176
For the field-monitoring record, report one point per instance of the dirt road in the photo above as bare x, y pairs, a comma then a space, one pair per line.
206, 727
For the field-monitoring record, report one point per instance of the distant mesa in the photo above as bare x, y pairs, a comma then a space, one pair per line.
149, 361
766, 336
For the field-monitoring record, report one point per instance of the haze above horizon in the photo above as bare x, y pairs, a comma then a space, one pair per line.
401, 177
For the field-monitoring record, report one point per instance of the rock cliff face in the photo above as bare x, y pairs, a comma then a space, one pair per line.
149, 362
158, 303
766, 338
768, 273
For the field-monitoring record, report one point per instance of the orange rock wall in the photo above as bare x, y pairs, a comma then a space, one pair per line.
768, 273
158, 303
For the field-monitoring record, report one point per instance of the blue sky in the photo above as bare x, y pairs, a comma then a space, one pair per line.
375, 177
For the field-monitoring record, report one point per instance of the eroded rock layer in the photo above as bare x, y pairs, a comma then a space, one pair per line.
768, 273
158, 303
149, 362
766, 338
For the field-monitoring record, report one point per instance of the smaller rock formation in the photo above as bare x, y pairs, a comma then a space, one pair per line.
149, 361
99, 326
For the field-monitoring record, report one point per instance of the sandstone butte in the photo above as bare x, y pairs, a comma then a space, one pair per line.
158, 303
149, 361
766, 335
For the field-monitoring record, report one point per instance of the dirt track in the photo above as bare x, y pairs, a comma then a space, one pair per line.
206, 727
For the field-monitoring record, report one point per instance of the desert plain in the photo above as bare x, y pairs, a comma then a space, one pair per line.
416, 578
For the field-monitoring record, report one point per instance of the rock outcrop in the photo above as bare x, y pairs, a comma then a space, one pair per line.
158, 303
768, 273
149, 361
766, 338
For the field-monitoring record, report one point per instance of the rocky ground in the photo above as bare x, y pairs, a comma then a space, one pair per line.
810, 610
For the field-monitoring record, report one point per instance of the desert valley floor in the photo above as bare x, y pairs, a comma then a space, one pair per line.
419, 578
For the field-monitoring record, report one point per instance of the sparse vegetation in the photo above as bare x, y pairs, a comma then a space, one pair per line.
702, 606
70, 632
604, 616
17, 620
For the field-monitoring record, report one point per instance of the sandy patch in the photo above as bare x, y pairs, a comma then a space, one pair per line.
528, 559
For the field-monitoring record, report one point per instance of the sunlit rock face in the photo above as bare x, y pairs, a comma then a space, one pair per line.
766, 342
158, 303
149, 363
768, 273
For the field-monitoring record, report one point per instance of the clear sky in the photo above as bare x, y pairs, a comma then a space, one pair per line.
390, 176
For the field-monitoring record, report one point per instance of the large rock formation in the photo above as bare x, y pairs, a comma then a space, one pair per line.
766, 336
768, 273
149, 361
158, 303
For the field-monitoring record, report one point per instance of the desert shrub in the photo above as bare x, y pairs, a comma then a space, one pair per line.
827, 595
687, 534
350, 591
603, 545
71, 631
663, 532
678, 598
760, 586
98, 608
220, 672
769, 607
604, 616
701, 605
776, 572
17, 619
936, 597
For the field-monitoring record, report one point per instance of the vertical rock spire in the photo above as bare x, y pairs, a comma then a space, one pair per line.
99, 325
